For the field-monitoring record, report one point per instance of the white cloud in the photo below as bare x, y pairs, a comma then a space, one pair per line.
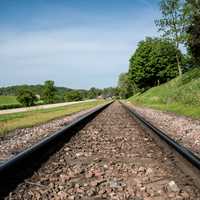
95, 55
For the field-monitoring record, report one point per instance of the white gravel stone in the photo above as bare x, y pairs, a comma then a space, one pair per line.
172, 187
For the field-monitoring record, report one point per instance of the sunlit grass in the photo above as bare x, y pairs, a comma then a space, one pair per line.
7, 100
180, 95
10, 122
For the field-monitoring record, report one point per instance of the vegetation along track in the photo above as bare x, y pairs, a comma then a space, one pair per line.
110, 158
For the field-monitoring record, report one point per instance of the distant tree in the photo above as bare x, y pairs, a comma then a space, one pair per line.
84, 94
73, 96
126, 88
193, 8
94, 93
49, 91
109, 92
153, 62
172, 24
26, 97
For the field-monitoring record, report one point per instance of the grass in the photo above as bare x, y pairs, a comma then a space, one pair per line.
7, 100
180, 95
9, 122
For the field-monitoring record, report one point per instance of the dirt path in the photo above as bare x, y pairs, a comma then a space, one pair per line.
16, 110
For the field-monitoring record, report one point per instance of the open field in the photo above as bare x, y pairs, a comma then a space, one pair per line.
7, 100
180, 95
10, 122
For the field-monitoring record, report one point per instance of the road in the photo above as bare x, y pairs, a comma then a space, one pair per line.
25, 109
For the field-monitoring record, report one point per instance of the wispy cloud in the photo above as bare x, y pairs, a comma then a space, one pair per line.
78, 55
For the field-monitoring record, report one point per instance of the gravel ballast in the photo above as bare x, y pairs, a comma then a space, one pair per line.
184, 130
20, 139
110, 158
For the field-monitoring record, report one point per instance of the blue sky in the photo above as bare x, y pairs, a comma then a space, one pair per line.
76, 43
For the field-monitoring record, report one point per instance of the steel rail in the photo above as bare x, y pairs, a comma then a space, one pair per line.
23, 165
184, 152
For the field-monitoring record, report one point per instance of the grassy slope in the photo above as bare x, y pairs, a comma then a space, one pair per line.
7, 100
180, 95
10, 122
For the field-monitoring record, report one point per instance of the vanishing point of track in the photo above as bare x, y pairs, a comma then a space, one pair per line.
109, 157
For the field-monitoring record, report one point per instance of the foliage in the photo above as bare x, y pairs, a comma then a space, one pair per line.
94, 93
61, 94
26, 97
73, 96
126, 88
10, 106
153, 63
193, 7
36, 89
173, 23
110, 92
49, 91
181, 95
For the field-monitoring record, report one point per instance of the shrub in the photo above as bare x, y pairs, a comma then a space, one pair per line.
26, 98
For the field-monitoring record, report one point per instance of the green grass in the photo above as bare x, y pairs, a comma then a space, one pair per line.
10, 122
7, 100
180, 95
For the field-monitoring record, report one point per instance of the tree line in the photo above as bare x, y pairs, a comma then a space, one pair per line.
157, 60
29, 95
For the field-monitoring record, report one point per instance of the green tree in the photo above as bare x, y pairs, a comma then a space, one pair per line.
26, 97
172, 24
109, 92
126, 88
193, 8
94, 93
153, 62
49, 91
73, 96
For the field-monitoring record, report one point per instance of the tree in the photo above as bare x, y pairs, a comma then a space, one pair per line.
49, 91
73, 96
193, 7
126, 89
109, 92
26, 98
172, 24
94, 93
153, 62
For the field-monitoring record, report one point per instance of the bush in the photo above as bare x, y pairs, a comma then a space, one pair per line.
9, 106
73, 96
26, 98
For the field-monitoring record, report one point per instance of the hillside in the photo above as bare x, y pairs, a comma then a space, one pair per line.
180, 95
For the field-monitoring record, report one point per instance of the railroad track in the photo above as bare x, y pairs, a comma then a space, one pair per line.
25, 163
184, 153
110, 157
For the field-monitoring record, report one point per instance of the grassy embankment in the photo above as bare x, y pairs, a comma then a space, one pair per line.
10, 122
180, 95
